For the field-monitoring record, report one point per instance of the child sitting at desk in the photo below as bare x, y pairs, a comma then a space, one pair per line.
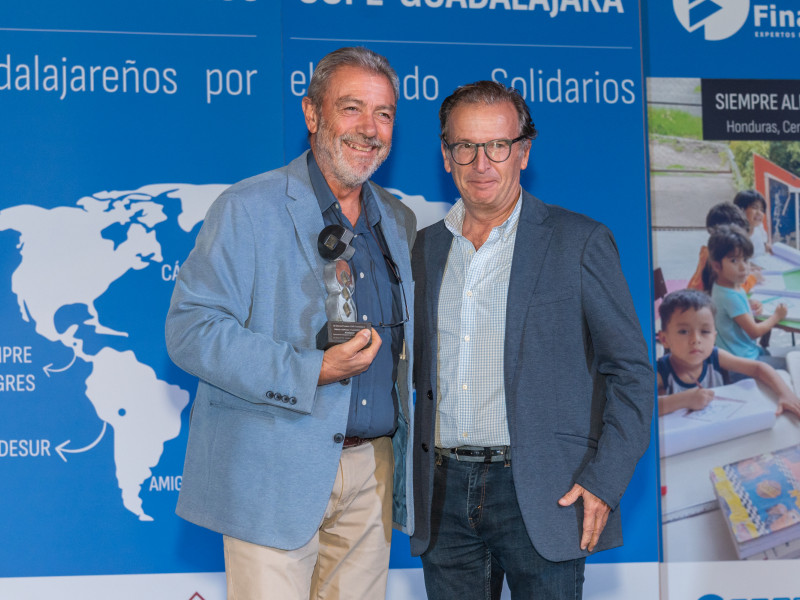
693, 364
729, 249
754, 207
723, 213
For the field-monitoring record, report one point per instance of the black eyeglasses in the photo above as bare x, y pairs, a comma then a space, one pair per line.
393, 268
463, 153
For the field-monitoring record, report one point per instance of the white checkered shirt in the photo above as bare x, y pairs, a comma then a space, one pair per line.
471, 399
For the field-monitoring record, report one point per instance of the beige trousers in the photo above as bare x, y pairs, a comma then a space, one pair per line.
348, 556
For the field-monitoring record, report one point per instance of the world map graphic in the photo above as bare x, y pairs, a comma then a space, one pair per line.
95, 414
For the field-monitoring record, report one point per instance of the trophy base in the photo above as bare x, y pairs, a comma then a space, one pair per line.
336, 332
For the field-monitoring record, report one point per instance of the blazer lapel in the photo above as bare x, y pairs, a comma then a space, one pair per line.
436, 251
304, 211
397, 244
395, 239
530, 249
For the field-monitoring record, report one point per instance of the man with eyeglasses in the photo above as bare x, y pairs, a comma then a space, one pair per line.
534, 387
295, 450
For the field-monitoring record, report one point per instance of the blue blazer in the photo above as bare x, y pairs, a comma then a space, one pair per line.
578, 382
265, 440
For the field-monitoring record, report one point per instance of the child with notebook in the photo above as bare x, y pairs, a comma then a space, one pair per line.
693, 364
729, 249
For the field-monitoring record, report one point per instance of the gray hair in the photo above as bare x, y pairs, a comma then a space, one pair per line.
487, 92
360, 57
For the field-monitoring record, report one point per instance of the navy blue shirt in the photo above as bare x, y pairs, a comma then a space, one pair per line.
373, 399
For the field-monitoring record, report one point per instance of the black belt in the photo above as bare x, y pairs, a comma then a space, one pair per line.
484, 454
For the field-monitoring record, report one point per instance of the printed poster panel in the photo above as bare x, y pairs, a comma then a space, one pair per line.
123, 126
581, 75
120, 126
722, 118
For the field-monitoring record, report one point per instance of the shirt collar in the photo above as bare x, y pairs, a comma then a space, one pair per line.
326, 199
454, 220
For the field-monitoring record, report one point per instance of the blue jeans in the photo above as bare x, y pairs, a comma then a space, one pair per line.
478, 536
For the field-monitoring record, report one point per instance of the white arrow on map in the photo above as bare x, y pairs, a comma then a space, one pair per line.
61, 449
48, 368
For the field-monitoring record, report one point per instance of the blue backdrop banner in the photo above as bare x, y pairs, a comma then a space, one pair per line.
122, 122
579, 66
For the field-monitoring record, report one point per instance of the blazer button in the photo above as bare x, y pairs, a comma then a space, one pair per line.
292, 400
278, 397
338, 438
424, 447
270, 394
430, 394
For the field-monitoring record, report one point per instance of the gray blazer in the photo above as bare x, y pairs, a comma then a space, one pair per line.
265, 440
579, 385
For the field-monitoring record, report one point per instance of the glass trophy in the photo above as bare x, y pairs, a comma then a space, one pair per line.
334, 246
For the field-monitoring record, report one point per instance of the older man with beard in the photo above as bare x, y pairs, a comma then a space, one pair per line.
295, 452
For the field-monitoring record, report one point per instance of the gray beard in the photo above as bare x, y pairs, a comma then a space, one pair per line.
328, 151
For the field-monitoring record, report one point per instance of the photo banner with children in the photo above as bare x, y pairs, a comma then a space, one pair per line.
724, 134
